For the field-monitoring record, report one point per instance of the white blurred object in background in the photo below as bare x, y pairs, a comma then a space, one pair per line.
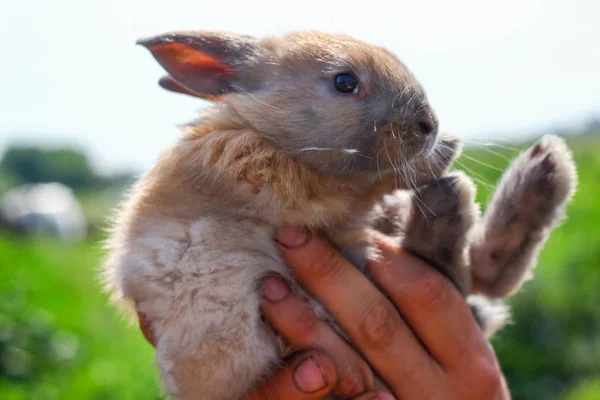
44, 209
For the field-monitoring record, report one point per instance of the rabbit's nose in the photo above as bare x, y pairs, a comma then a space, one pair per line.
425, 121
426, 127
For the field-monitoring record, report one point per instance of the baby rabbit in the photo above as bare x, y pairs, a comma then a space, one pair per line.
314, 130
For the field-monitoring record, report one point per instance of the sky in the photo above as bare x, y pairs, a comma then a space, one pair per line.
70, 72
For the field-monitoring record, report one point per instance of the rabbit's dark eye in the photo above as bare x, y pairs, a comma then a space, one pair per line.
346, 83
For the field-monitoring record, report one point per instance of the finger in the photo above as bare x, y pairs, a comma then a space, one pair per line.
297, 323
371, 320
431, 305
310, 376
375, 396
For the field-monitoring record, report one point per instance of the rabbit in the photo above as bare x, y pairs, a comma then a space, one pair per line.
315, 130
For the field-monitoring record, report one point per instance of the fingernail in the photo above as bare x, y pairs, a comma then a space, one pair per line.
309, 377
291, 237
274, 289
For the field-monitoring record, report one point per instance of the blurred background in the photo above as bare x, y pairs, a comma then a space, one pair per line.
81, 115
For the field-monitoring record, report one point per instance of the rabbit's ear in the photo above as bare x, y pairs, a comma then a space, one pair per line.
204, 64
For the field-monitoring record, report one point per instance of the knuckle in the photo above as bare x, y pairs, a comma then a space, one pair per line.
305, 325
325, 264
379, 325
428, 289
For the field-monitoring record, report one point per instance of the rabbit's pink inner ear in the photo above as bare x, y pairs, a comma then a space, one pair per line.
192, 69
181, 57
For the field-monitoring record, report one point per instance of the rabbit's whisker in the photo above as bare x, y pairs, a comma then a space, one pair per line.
254, 97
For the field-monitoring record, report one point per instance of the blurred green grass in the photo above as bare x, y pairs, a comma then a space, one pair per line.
59, 339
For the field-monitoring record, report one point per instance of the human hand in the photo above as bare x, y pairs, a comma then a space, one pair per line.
418, 334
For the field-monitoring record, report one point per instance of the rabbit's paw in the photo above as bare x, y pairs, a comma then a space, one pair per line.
548, 177
442, 215
527, 204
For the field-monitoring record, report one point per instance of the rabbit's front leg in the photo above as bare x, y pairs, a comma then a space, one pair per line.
450, 197
436, 223
432, 222
438, 226
529, 201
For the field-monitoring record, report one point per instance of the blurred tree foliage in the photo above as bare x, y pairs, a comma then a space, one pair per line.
29, 164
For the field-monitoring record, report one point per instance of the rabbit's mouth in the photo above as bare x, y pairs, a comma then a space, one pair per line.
433, 162
401, 144
416, 160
